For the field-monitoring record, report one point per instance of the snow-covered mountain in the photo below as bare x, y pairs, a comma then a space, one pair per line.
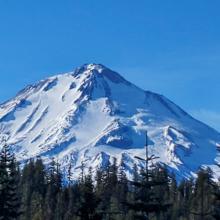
93, 114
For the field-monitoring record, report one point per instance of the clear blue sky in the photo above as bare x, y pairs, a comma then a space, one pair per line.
170, 47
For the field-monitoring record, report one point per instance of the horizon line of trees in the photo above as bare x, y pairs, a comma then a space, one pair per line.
37, 192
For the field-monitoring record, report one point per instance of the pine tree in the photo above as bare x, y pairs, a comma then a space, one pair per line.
61, 206
185, 197
216, 202
39, 190
113, 212
216, 211
106, 183
9, 181
173, 194
69, 174
147, 202
39, 177
3, 184
88, 202
201, 209
122, 189
27, 189
37, 206
100, 184
54, 185
72, 196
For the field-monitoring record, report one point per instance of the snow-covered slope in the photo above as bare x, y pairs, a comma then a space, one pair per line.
93, 114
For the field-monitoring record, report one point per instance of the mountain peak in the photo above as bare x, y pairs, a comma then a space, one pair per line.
94, 66
77, 116
100, 70
89, 68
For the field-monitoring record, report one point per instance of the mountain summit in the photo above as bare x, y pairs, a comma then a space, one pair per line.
93, 114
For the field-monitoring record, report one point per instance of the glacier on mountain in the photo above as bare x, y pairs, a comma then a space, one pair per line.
93, 114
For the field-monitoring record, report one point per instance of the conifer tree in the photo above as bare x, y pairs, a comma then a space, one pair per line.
37, 206
39, 190
27, 189
122, 189
88, 200
185, 197
216, 211
3, 183
72, 196
54, 185
9, 181
201, 209
100, 179
147, 202
216, 203
69, 174
173, 194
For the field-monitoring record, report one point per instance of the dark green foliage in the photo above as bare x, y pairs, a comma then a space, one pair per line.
183, 202
37, 193
33, 189
151, 189
216, 209
9, 179
53, 195
88, 203
201, 209
151, 195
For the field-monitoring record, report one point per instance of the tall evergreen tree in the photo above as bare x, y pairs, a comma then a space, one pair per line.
9, 182
122, 189
185, 197
88, 202
201, 209
173, 195
216, 204
39, 190
54, 185
147, 202
27, 189
72, 196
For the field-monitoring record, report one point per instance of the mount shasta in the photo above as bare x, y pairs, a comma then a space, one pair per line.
93, 115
